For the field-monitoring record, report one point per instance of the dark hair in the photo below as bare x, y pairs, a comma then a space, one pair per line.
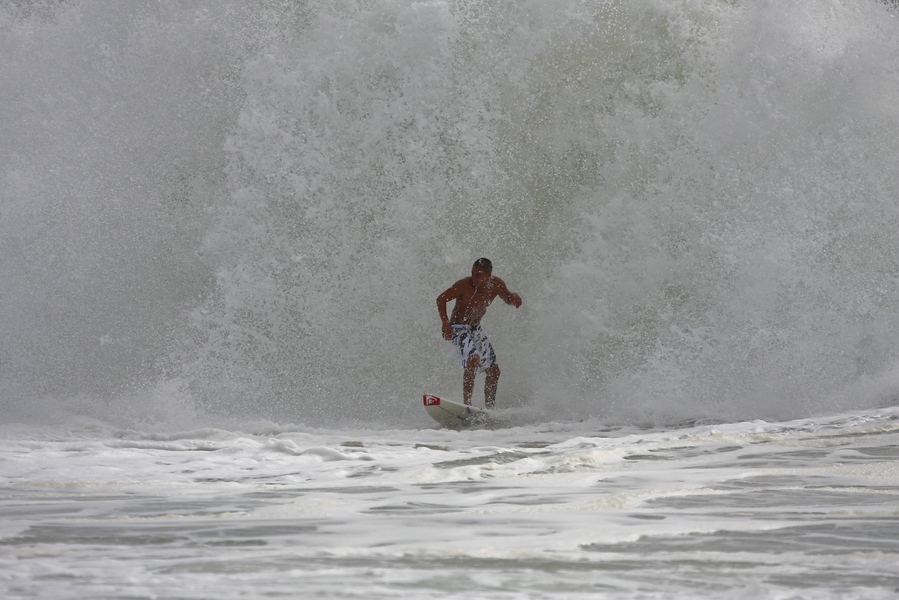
484, 263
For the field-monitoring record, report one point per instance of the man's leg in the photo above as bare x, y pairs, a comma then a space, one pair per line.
490, 386
471, 371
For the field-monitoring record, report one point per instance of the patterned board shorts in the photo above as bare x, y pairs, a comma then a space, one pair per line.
471, 339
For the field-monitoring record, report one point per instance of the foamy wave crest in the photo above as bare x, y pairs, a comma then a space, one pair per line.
695, 200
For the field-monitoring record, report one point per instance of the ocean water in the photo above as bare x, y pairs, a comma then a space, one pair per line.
223, 226
800, 509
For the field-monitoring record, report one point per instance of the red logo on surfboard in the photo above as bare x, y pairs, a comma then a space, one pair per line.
430, 400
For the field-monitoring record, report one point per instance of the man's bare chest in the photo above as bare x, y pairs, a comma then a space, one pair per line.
479, 298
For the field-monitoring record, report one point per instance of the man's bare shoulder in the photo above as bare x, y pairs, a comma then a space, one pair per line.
462, 285
458, 288
498, 284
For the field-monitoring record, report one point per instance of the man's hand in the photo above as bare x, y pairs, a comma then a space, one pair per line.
515, 300
447, 331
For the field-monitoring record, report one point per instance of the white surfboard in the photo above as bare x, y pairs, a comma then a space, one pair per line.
452, 414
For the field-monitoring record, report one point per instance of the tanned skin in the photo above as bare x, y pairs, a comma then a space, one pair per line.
473, 295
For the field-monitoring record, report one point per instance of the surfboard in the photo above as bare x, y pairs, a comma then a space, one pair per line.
452, 414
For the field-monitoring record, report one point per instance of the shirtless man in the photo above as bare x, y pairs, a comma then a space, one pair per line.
473, 295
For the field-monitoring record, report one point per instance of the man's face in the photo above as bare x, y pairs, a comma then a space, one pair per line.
479, 276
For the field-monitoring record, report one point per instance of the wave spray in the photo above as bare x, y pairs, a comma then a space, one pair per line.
251, 209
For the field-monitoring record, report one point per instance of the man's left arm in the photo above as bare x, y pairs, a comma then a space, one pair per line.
508, 297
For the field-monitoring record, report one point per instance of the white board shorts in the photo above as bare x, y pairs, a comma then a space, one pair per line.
471, 339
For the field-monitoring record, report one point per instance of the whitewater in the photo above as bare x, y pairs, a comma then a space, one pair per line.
224, 225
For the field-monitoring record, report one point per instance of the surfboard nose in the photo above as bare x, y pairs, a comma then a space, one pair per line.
430, 400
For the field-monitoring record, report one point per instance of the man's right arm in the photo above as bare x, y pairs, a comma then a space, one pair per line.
451, 293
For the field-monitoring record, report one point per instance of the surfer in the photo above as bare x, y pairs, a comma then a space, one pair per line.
473, 295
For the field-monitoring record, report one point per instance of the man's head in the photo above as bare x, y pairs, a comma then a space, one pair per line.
480, 271
484, 263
